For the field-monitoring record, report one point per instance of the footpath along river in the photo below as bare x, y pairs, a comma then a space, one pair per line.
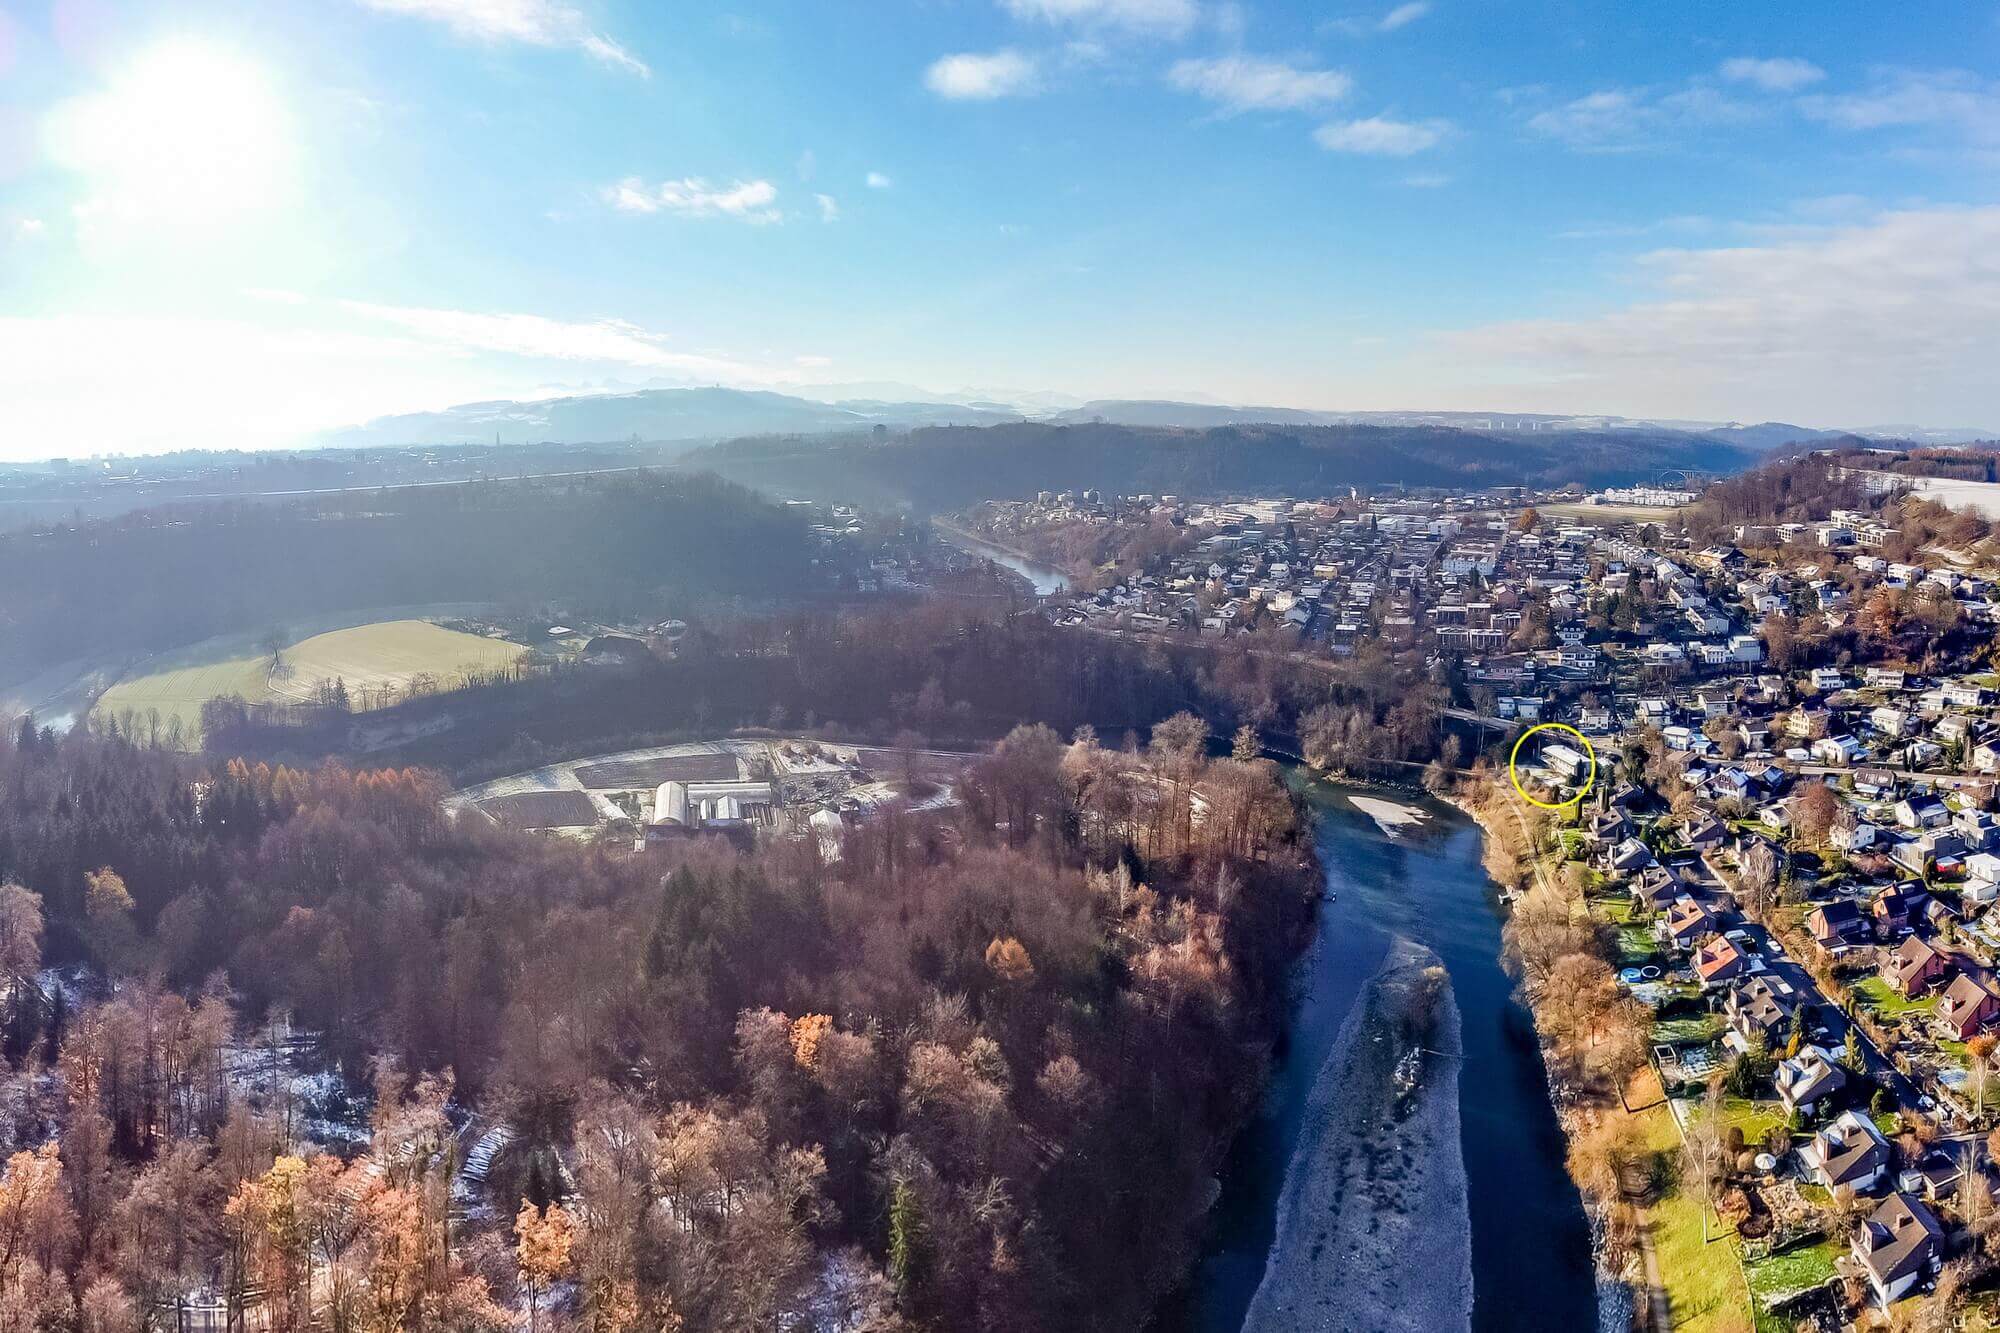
1403, 868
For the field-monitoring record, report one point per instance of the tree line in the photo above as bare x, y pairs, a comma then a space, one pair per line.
969, 1070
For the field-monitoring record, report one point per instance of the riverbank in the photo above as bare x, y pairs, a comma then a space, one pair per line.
963, 533
1514, 862
1374, 1227
1042, 578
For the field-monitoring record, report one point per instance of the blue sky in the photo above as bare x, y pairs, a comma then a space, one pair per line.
237, 223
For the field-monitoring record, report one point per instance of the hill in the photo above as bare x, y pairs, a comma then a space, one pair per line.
629, 545
945, 468
695, 415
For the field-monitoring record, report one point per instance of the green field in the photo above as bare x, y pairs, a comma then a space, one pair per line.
372, 658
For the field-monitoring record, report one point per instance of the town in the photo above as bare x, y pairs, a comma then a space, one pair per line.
1787, 842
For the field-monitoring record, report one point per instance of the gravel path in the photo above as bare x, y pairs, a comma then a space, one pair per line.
1373, 1231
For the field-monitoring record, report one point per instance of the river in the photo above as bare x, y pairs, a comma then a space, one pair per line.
1046, 579
1531, 1259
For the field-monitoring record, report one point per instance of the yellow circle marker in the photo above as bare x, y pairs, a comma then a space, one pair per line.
1589, 752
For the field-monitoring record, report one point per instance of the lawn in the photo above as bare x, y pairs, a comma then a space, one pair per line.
1794, 1271
1874, 992
1753, 1118
387, 654
1615, 908
1704, 1281
1688, 1027
1636, 945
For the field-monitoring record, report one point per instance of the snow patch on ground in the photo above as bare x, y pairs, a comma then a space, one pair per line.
1390, 816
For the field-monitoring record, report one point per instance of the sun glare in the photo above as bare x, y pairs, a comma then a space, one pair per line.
187, 134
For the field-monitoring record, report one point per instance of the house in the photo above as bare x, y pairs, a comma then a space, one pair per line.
1706, 834
1889, 720
1850, 1152
1874, 783
1935, 1175
1913, 967
1895, 909
1718, 961
1839, 928
1656, 889
1758, 1012
1837, 750
1858, 836
1968, 1004
1982, 878
1900, 1244
1686, 922
1941, 846
1921, 812
1808, 1080
1609, 828
1629, 856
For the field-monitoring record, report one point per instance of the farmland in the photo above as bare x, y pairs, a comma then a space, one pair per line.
373, 660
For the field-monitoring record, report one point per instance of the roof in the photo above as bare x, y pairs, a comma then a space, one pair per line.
1848, 1149
1755, 1001
1717, 958
1897, 1239
1910, 960
1837, 922
1963, 997
1809, 1076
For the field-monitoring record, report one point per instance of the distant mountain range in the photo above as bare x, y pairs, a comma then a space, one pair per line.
705, 415
692, 416
950, 467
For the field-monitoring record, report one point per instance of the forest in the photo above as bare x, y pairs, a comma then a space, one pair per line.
612, 546
971, 1069
942, 672
947, 468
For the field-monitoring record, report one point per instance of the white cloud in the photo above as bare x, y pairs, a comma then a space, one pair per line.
829, 207
1403, 14
30, 229
549, 23
1426, 180
1247, 83
1951, 100
972, 77
693, 197
1620, 119
1779, 74
1361, 25
1380, 136
877, 181
1168, 18
1896, 318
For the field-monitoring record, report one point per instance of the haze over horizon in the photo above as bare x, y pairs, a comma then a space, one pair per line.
236, 226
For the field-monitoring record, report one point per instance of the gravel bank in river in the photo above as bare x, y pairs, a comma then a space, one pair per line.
1373, 1228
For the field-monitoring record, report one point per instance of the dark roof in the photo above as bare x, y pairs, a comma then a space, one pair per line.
1850, 1148
1898, 1239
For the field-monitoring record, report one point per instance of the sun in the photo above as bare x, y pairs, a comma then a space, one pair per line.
188, 133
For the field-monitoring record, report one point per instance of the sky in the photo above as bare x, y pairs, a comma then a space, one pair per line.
233, 224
